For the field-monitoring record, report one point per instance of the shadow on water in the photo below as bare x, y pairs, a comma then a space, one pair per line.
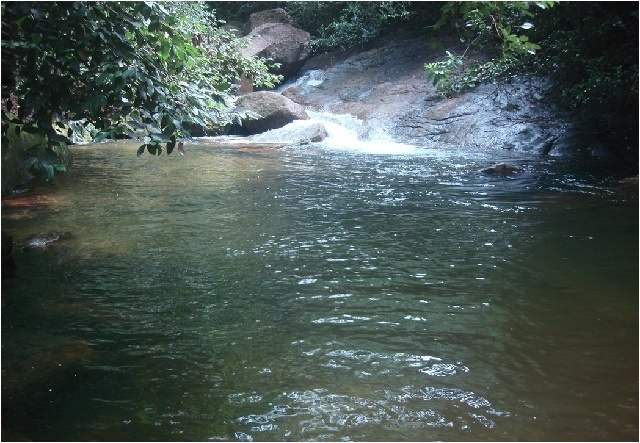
321, 294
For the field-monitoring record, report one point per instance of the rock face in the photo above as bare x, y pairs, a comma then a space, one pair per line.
272, 36
275, 111
386, 88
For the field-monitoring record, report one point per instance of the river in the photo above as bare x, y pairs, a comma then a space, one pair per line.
329, 293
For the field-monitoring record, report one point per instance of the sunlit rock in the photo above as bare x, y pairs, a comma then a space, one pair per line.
299, 132
275, 111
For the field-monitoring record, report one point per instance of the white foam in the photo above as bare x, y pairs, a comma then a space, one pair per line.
347, 133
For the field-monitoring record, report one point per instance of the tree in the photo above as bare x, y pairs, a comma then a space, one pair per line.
493, 28
139, 69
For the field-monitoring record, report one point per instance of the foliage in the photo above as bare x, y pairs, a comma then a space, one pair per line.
588, 51
357, 24
138, 69
494, 28
332, 25
591, 53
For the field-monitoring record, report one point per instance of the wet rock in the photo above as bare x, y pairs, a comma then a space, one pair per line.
386, 88
44, 239
272, 36
503, 169
299, 132
275, 111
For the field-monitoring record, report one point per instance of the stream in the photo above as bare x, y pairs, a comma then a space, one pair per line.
335, 292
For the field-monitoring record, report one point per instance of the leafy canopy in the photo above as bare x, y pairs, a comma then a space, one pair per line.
145, 70
492, 27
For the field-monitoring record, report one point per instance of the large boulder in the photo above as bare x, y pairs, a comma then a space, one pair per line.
272, 36
275, 111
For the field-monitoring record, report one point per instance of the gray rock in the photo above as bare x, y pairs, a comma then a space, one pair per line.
503, 169
281, 43
275, 111
299, 132
386, 88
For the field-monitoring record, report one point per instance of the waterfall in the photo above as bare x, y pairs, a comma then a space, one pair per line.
346, 132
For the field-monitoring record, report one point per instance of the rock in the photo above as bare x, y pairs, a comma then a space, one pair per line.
44, 239
503, 169
629, 184
299, 132
260, 18
280, 42
385, 87
275, 111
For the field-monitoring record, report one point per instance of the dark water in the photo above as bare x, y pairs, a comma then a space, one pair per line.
327, 294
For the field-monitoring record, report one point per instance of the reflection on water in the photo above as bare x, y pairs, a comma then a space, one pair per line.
270, 294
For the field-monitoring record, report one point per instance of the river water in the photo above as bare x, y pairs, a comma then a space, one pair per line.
331, 293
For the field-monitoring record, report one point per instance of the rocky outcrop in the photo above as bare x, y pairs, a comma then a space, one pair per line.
386, 88
275, 111
272, 36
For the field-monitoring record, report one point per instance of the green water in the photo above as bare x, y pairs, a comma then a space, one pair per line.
322, 294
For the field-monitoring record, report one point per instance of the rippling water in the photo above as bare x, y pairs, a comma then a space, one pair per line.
335, 294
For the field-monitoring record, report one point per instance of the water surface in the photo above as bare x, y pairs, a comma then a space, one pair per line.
325, 293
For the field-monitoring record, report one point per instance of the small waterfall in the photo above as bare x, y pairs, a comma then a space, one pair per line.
346, 132
311, 78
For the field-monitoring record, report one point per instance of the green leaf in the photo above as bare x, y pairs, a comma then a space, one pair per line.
129, 72
48, 171
141, 150
30, 129
101, 136
27, 163
164, 49
223, 86
59, 138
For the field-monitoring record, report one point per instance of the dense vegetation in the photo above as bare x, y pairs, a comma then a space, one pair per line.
154, 71
138, 69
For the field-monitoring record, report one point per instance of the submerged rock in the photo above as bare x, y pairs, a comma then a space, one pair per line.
275, 111
44, 239
503, 169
